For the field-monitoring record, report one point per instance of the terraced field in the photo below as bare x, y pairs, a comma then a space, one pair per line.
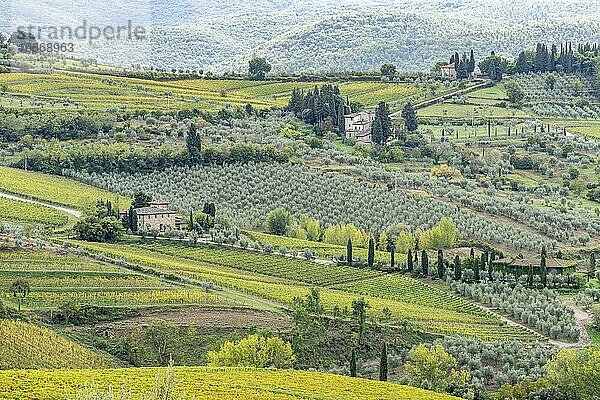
55, 279
208, 384
55, 189
27, 346
421, 306
265, 264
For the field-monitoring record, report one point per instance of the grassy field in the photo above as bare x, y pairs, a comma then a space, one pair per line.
424, 307
586, 128
449, 109
56, 279
29, 214
208, 384
54, 189
28, 346
69, 90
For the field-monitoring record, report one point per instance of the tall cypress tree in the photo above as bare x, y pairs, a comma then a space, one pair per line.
471, 64
353, 363
440, 264
543, 268
341, 122
457, 268
410, 117
377, 132
392, 258
409, 261
462, 68
416, 258
371, 255
382, 125
194, 145
132, 220
483, 262
349, 251
530, 276
424, 262
383, 363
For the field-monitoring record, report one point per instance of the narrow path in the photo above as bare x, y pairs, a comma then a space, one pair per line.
67, 210
511, 322
444, 97
581, 319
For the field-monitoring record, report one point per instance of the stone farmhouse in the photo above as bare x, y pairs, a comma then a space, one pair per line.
159, 216
358, 126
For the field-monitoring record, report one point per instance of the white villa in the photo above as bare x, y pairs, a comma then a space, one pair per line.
358, 126
448, 70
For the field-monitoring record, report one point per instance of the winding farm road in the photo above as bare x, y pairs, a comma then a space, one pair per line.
70, 211
581, 319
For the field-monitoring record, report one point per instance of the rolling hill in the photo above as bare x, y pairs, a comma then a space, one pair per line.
301, 36
209, 384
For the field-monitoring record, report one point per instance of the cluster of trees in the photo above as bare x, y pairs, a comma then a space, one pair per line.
542, 310
14, 125
258, 68
100, 223
569, 375
55, 158
433, 368
394, 238
480, 358
203, 221
319, 340
567, 60
585, 60
494, 66
281, 222
322, 107
464, 66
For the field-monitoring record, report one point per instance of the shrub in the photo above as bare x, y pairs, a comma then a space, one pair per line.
254, 351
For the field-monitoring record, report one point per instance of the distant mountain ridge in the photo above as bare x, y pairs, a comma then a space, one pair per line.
314, 36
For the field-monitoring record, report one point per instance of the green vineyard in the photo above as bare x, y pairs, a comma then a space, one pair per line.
55, 189
55, 279
266, 264
29, 214
27, 346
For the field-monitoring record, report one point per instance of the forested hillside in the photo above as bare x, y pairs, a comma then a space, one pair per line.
298, 36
